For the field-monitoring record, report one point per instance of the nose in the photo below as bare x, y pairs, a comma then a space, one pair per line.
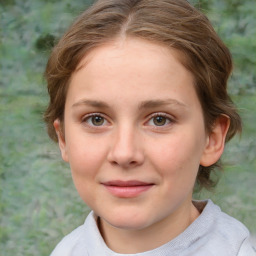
126, 149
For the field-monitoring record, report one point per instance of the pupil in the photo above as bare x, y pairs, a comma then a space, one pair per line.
97, 120
159, 120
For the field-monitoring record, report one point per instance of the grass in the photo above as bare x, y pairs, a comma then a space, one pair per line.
39, 204
37, 195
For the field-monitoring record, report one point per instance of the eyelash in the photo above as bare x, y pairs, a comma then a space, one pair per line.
88, 120
89, 117
169, 119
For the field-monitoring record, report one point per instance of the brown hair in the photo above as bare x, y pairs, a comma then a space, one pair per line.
173, 23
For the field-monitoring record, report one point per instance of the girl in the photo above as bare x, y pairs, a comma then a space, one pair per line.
139, 107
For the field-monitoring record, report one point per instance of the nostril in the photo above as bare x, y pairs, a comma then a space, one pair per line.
125, 153
114, 163
124, 164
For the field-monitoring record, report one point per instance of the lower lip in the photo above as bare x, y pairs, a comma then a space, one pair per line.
127, 192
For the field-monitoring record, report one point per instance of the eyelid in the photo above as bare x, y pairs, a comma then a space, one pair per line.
163, 114
89, 115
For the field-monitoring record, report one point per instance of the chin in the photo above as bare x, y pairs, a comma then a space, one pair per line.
131, 225
127, 221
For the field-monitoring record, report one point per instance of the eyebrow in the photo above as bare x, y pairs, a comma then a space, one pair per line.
143, 105
92, 103
159, 103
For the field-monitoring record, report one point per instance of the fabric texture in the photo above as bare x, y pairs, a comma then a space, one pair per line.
213, 233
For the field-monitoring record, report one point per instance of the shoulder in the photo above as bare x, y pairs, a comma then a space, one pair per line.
74, 243
247, 249
225, 234
67, 245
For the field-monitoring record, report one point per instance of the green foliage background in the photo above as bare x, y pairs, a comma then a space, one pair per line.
39, 204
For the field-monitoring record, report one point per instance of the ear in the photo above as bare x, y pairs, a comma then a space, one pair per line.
215, 141
61, 139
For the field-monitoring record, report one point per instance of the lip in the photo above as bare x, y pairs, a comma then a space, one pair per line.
127, 189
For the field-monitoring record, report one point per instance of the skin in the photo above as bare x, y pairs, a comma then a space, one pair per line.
132, 114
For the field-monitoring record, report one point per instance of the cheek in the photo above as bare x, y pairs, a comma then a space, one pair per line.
85, 152
85, 164
178, 156
86, 158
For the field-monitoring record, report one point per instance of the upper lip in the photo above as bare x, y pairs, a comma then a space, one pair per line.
129, 183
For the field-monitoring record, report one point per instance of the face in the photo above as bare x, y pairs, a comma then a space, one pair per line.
134, 134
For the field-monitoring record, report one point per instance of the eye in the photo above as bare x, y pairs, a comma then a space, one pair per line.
95, 120
160, 120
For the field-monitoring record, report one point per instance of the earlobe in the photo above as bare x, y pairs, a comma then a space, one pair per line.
215, 141
61, 139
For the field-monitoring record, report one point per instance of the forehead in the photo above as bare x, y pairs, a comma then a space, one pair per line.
129, 49
132, 66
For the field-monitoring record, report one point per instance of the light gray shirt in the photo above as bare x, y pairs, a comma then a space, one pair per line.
213, 233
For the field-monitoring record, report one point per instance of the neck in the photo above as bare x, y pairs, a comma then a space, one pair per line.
129, 241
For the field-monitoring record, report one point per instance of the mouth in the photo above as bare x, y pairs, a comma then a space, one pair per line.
127, 189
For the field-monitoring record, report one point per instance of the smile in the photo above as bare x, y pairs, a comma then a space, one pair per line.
127, 189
